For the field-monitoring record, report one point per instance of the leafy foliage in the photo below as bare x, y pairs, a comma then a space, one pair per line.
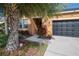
35, 9
39, 9
3, 40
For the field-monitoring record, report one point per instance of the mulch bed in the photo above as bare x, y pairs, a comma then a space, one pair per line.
29, 49
32, 52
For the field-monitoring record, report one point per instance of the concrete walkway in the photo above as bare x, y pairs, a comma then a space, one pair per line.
35, 38
63, 46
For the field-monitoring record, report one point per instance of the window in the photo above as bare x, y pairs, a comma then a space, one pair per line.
23, 23
1, 12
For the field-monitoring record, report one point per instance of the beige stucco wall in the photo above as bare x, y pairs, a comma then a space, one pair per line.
33, 29
67, 16
48, 25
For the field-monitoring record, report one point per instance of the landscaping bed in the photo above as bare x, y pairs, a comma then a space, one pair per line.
29, 49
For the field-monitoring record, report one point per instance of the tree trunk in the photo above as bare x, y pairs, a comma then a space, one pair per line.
12, 21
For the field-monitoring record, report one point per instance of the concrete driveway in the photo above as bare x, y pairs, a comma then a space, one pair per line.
63, 46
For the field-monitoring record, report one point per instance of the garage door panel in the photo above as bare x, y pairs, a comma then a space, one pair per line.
64, 33
76, 32
76, 35
66, 28
69, 33
63, 29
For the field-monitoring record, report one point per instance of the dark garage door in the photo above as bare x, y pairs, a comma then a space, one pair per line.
66, 28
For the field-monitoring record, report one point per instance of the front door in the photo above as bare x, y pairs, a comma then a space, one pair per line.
38, 22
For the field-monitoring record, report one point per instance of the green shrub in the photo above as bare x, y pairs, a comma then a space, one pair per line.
3, 40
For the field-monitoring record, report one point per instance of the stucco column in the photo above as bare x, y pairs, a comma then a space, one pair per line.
6, 28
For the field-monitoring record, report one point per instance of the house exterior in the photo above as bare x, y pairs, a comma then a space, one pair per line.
36, 24
66, 23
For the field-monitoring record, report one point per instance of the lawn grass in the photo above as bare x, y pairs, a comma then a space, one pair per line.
43, 49
40, 47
